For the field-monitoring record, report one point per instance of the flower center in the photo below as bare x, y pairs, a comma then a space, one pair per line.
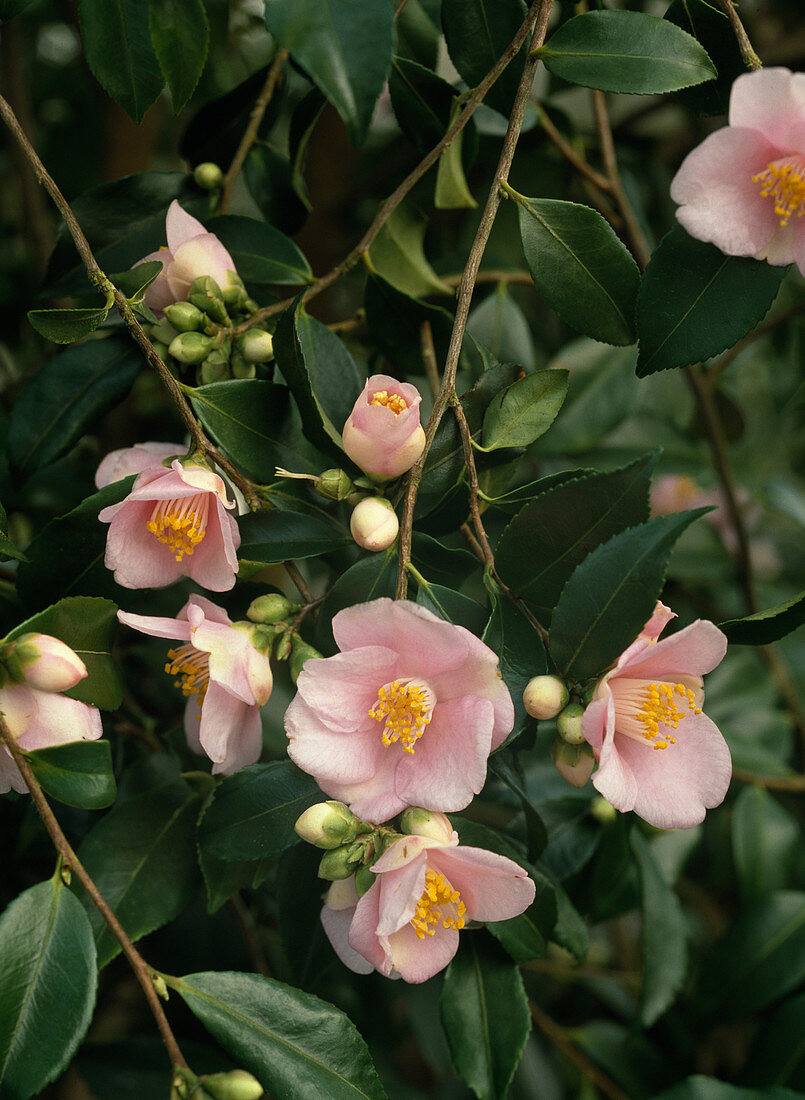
405, 706
181, 524
647, 710
440, 904
192, 666
391, 401
784, 181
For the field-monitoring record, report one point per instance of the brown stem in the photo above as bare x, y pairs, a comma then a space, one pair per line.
472, 479
637, 240
299, 581
588, 1068
771, 782
603, 183
142, 971
493, 275
250, 135
751, 59
429, 356
250, 934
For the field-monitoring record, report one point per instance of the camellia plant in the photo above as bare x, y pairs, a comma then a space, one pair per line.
401, 550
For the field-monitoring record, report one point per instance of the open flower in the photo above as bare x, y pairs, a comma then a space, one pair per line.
657, 753
133, 460
191, 252
382, 434
173, 524
406, 714
225, 678
743, 188
407, 924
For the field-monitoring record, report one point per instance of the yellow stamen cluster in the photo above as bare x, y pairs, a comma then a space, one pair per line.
192, 666
784, 181
429, 912
180, 524
406, 708
659, 708
391, 401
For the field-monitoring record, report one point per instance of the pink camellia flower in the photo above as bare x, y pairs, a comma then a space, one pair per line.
36, 715
382, 434
406, 714
191, 252
657, 753
225, 678
743, 188
133, 460
407, 923
173, 524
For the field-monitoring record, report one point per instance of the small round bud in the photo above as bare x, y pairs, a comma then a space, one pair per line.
545, 696
242, 369
270, 608
256, 346
418, 822
603, 811
374, 524
206, 295
573, 762
215, 367
163, 331
328, 825
235, 1085
43, 662
206, 286
184, 316
365, 878
208, 176
190, 347
334, 484
338, 864
160, 348
300, 653
569, 724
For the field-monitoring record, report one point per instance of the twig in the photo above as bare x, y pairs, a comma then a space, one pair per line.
472, 479
142, 971
603, 183
635, 234
588, 1068
249, 933
429, 356
750, 58
250, 135
492, 275
770, 782
299, 581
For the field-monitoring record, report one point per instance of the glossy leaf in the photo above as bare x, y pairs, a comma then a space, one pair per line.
664, 939
711, 28
624, 51
767, 626
299, 891
398, 255
501, 326
580, 267
133, 283
452, 192
180, 34
261, 253
7, 547
521, 653
216, 129
246, 417
779, 1046
65, 326
48, 989
269, 176
395, 320
118, 49
477, 33
271, 537
525, 410
334, 376
452, 606
78, 773
368, 579
695, 302
765, 840
422, 103
699, 1087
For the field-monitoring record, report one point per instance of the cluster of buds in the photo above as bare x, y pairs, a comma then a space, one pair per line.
237, 1084
350, 845
547, 697
201, 332
274, 617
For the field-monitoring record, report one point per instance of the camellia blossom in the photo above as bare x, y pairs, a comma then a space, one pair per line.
657, 753
743, 188
407, 924
133, 460
225, 678
173, 524
382, 434
406, 714
191, 252
36, 714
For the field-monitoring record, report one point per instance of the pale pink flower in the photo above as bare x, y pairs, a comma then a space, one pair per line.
133, 460
657, 753
191, 252
407, 924
382, 434
743, 188
47, 663
173, 524
225, 678
406, 714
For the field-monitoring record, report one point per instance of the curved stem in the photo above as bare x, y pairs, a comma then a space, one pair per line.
560, 1040
750, 58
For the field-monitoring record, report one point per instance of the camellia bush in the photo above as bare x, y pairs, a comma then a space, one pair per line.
401, 550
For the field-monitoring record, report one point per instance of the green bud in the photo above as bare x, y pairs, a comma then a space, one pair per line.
283, 650
234, 297
256, 346
190, 347
300, 652
250, 306
206, 286
573, 762
338, 864
365, 878
208, 176
184, 316
334, 484
271, 608
213, 369
544, 697
569, 724
418, 822
235, 1085
603, 811
207, 296
240, 368
161, 349
328, 825
163, 331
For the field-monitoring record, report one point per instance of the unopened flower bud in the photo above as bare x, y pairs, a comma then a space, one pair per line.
161, 349
190, 347
573, 762
207, 296
235, 1085
45, 663
603, 811
418, 822
163, 331
334, 484
208, 176
283, 650
300, 653
569, 724
241, 368
374, 524
185, 317
545, 696
338, 864
215, 367
365, 878
270, 608
328, 825
256, 346
382, 434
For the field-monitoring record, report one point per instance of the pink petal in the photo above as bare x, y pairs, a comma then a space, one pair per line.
222, 716
426, 645
614, 778
212, 612
57, 720
202, 480
180, 226
481, 677
375, 799
10, 776
408, 848
491, 886
133, 460
363, 931
156, 626
693, 651
343, 689
593, 722
400, 890
330, 756
202, 255
138, 558
416, 960
214, 563
245, 743
773, 102
227, 647
336, 924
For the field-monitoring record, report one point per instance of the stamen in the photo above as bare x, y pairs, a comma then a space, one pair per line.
181, 523
405, 706
192, 666
440, 904
391, 401
648, 710
784, 181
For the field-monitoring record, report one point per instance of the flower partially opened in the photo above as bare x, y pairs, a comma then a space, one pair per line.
658, 753
191, 252
133, 460
382, 434
224, 677
406, 714
407, 924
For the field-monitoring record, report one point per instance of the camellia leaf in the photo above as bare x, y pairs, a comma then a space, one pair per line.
711, 28
521, 654
477, 33
626, 51
525, 410
452, 191
10, 8
398, 255
78, 773
767, 626
368, 579
334, 376
269, 176
765, 842
694, 301
345, 48
293, 1043
180, 34
261, 253
246, 417
272, 537
133, 283
48, 990
395, 321
664, 938
118, 49
216, 129
7, 547
422, 103
580, 267
501, 326
65, 326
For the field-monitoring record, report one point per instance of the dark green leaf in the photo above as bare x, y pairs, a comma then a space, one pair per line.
501, 326
665, 953
180, 34
625, 51
132, 283
299, 893
246, 416
294, 1043
477, 33
767, 626
303, 122
10, 8
570, 931
694, 301
398, 255
765, 842
118, 49
521, 653
779, 1047
261, 253
65, 326
223, 878
452, 606
485, 1016
216, 129
345, 48
7, 547
395, 320
504, 765
446, 565
369, 579
272, 537
422, 102
252, 813
699, 1087
548, 538
711, 28
580, 267
334, 377
452, 192
525, 410
611, 595
48, 989
270, 179
78, 774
